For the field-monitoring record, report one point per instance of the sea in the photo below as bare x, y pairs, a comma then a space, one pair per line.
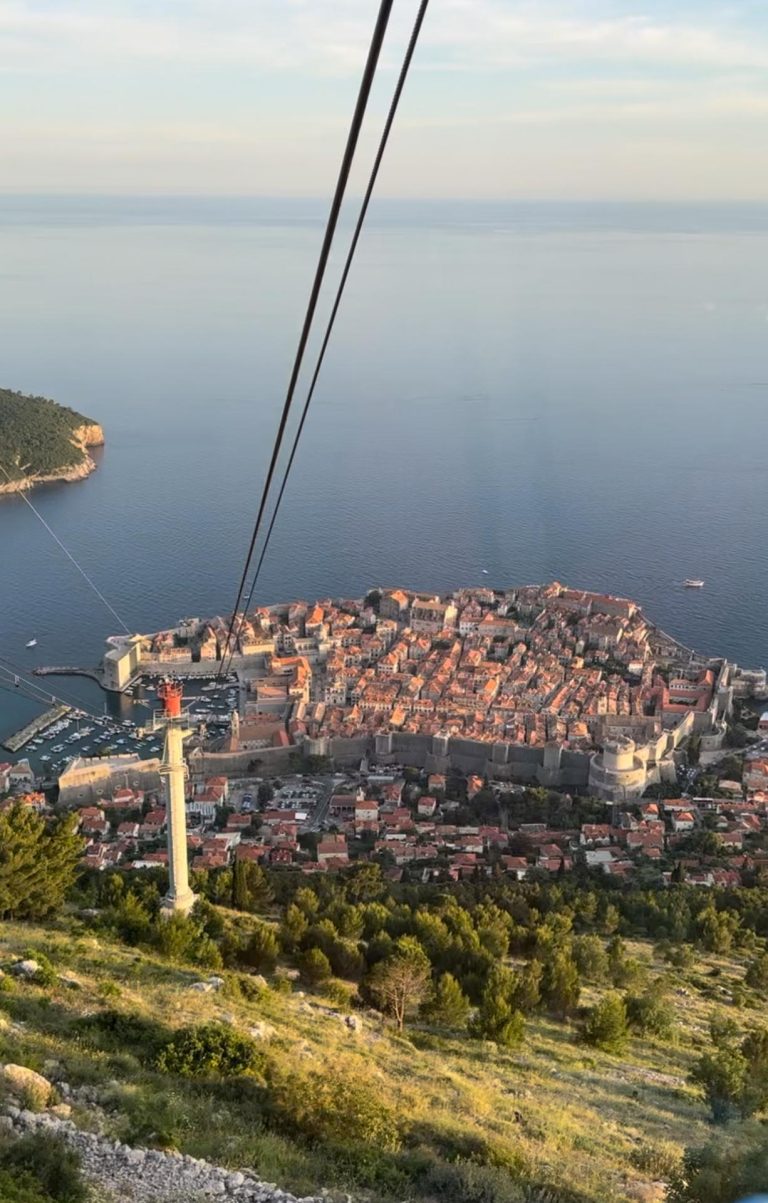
514, 392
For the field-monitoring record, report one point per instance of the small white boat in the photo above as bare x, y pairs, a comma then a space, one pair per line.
690, 583
32, 643
485, 572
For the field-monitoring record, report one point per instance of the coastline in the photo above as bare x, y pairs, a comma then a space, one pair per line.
88, 435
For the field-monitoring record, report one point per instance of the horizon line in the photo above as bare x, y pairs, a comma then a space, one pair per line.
99, 194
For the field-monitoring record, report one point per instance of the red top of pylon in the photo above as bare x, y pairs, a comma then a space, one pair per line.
169, 693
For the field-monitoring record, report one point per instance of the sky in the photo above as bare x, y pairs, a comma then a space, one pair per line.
563, 99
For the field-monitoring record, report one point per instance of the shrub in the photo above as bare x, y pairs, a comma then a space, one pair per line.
466, 1182
47, 1161
649, 1014
606, 1025
209, 1049
591, 958
314, 965
657, 1161
333, 1107
721, 1075
262, 950
18, 1187
46, 975
730, 1167
108, 989
117, 1031
340, 993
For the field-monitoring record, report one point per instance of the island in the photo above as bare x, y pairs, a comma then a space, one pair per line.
41, 441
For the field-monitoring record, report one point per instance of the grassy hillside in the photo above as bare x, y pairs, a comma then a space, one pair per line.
425, 1115
36, 435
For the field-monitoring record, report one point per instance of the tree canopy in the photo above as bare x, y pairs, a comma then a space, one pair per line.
36, 435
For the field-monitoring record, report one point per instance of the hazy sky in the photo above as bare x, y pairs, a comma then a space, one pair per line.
546, 98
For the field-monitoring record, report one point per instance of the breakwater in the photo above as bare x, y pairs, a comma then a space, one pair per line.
15, 742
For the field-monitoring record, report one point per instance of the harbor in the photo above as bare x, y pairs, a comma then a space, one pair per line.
35, 728
53, 739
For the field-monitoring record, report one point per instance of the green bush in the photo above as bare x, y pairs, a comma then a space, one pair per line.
650, 1014
47, 1161
20, 1188
209, 1049
732, 1166
465, 1182
660, 1161
606, 1025
339, 993
333, 1107
120, 1031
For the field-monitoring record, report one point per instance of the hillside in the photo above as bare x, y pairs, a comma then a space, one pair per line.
339, 1099
43, 441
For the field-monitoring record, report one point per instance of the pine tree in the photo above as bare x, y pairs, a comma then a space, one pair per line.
38, 862
293, 929
314, 966
251, 890
496, 1018
606, 1026
560, 984
526, 994
757, 974
262, 949
449, 1005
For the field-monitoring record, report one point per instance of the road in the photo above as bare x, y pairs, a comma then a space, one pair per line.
320, 812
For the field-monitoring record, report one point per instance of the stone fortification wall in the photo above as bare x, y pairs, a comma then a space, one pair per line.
89, 780
235, 764
505, 762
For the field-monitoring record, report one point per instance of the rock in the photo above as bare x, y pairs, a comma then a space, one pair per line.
259, 980
12, 1110
235, 1180
216, 982
203, 987
216, 1187
135, 1156
62, 1110
70, 981
31, 1086
262, 1030
354, 1023
25, 968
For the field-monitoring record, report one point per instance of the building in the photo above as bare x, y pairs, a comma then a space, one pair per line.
121, 663
85, 779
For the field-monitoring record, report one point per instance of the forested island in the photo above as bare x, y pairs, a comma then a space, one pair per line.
41, 440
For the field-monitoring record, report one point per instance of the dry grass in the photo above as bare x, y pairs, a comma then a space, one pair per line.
583, 1118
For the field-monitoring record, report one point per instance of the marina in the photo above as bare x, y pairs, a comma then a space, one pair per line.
55, 738
33, 730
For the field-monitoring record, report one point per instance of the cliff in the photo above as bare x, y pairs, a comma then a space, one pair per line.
42, 441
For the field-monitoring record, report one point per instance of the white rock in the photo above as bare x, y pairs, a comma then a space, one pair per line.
30, 1085
216, 982
25, 968
203, 987
235, 1180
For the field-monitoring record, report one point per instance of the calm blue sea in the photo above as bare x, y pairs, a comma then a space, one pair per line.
553, 390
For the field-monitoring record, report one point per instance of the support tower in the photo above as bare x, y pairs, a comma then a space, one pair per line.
175, 723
